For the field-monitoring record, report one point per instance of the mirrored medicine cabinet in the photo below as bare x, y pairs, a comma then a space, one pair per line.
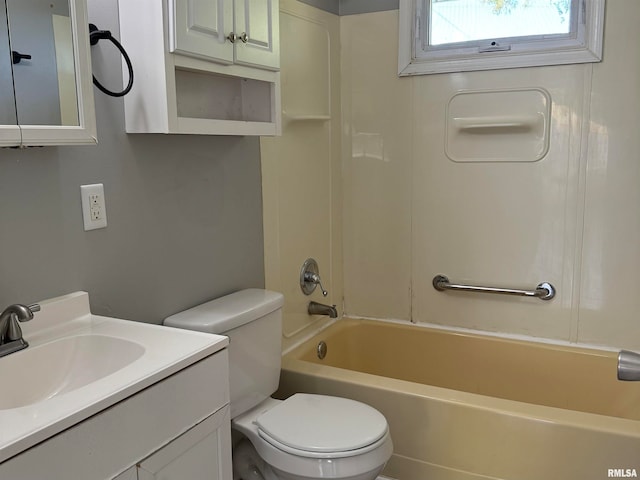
46, 93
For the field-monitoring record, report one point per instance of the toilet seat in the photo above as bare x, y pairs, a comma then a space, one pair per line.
331, 455
321, 426
358, 463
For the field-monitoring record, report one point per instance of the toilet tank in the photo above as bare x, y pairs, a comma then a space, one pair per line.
252, 319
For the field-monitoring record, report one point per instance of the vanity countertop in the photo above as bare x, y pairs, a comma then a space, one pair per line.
78, 364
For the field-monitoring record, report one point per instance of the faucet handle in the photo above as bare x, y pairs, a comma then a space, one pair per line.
34, 307
314, 278
310, 277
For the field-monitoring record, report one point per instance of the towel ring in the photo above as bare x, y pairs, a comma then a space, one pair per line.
95, 35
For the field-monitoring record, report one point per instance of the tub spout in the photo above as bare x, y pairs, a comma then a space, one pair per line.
316, 308
628, 365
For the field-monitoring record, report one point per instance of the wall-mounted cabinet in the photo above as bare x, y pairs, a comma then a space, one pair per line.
208, 29
46, 96
200, 69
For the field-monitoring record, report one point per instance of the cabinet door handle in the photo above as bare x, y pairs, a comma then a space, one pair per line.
244, 37
232, 37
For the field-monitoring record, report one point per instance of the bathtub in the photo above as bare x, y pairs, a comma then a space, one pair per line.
462, 406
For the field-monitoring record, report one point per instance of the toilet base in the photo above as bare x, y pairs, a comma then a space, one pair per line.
248, 465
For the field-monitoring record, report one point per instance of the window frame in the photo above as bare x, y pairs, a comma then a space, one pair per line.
582, 47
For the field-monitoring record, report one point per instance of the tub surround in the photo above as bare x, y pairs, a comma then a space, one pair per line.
301, 170
472, 221
493, 223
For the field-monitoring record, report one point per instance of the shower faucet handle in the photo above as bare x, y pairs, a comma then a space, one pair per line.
310, 278
315, 279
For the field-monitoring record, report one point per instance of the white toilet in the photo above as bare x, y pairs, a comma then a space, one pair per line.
303, 437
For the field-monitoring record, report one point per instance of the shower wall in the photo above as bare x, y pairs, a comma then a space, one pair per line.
301, 170
570, 218
368, 179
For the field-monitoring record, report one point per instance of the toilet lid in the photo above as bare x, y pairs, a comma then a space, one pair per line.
318, 423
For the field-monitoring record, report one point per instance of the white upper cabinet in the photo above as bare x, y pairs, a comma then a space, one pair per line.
208, 67
241, 31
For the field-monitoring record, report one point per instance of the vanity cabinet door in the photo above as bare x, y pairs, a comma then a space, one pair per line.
199, 28
204, 452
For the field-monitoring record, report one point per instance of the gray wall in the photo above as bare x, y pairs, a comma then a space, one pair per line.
353, 7
184, 213
332, 6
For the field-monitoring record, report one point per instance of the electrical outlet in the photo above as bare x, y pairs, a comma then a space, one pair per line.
94, 212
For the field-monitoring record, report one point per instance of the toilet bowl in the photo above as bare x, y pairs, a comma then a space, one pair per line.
317, 436
304, 437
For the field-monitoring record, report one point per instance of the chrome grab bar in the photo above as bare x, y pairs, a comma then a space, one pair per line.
544, 290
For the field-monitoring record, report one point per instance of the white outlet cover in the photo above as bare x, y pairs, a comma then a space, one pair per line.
99, 206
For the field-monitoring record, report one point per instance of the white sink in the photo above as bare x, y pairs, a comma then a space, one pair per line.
42, 372
78, 364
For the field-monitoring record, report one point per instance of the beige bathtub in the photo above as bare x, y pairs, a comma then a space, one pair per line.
463, 406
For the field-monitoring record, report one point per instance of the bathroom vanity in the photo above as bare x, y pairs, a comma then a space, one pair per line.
102, 398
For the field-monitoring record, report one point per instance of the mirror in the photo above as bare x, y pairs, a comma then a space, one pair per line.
41, 40
7, 102
45, 66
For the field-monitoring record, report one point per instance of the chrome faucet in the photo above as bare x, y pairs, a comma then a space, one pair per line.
10, 332
316, 308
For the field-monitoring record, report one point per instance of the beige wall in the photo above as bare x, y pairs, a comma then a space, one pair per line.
572, 218
301, 170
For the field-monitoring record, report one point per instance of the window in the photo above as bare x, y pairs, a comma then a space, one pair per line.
438, 36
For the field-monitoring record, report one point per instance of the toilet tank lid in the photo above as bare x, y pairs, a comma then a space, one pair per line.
228, 312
